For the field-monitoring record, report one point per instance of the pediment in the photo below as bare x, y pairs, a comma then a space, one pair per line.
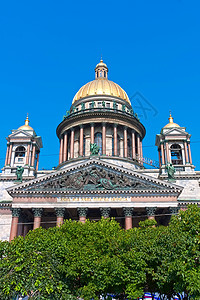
94, 176
20, 134
176, 131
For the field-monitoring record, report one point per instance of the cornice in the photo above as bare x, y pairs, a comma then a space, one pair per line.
132, 122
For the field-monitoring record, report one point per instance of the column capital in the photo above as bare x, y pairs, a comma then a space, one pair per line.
60, 211
15, 212
174, 210
81, 125
92, 124
104, 123
37, 212
125, 127
151, 211
72, 129
128, 211
105, 212
82, 211
115, 125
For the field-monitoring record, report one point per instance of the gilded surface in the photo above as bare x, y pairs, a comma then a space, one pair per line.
101, 86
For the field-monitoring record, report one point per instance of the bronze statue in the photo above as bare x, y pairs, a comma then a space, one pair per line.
170, 171
19, 173
94, 149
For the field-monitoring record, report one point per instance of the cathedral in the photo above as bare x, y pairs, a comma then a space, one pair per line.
101, 171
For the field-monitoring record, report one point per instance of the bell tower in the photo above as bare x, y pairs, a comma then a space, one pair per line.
174, 147
23, 148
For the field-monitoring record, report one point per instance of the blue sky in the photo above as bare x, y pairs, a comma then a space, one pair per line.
49, 50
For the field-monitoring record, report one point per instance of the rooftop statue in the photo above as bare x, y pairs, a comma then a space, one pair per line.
94, 149
19, 173
170, 171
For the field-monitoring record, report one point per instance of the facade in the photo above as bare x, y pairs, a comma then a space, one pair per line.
101, 170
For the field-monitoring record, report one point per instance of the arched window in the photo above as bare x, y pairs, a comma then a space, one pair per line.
20, 151
20, 154
118, 145
176, 154
98, 141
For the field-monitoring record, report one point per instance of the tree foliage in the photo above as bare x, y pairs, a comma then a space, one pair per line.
100, 258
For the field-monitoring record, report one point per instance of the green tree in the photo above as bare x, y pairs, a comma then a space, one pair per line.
100, 258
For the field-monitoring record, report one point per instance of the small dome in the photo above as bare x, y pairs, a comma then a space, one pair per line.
171, 123
26, 125
101, 64
101, 86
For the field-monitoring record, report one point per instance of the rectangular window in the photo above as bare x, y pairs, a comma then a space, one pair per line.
99, 104
108, 105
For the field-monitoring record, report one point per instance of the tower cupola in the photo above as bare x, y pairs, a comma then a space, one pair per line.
23, 148
174, 148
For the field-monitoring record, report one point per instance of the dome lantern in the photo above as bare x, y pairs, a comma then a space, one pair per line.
101, 70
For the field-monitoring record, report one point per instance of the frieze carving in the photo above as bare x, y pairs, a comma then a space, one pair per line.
128, 211
151, 211
15, 212
60, 211
37, 212
105, 211
82, 211
96, 179
174, 210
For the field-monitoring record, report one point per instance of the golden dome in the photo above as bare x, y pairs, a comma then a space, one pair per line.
171, 123
101, 64
26, 125
101, 86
